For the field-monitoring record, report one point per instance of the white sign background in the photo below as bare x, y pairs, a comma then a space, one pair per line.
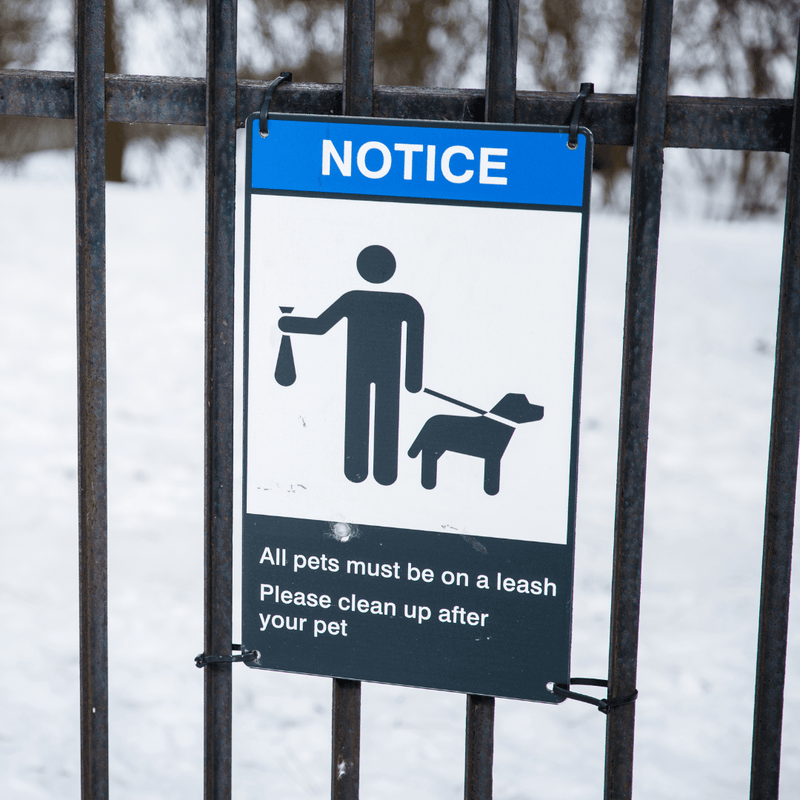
499, 290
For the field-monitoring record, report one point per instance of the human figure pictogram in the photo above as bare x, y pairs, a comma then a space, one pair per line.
375, 322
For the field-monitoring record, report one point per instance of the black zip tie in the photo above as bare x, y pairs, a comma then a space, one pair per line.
604, 705
245, 656
586, 90
263, 117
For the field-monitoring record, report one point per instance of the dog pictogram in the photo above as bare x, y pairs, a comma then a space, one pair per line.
485, 436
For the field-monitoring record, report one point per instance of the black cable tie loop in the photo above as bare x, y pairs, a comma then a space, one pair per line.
245, 656
604, 705
263, 117
575, 121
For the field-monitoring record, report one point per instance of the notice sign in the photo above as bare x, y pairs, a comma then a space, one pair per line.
413, 336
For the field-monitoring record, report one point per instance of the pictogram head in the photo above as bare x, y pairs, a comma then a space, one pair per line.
376, 264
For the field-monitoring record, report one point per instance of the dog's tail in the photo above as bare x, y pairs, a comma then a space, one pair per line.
416, 447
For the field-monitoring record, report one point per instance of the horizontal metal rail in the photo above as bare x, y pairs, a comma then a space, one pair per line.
714, 123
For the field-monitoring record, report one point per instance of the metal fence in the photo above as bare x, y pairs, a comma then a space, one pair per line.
649, 120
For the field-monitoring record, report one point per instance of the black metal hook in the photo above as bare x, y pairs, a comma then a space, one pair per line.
575, 121
263, 117
604, 705
246, 656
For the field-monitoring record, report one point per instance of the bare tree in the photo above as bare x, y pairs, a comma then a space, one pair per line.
417, 42
23, 32
21, 29
741, 48
115, 132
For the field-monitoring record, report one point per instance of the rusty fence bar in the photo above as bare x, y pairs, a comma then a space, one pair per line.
359, 58
479, 747
356, 100
345, 739
219, 343
500, 102
781, 492
645, 214
501, 60
92, 406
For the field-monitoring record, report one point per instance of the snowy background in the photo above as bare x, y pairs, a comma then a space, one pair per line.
715, 330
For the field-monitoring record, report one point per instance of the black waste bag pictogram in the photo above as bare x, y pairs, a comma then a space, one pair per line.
285, 373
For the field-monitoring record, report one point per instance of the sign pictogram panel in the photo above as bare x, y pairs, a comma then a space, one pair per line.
413, 332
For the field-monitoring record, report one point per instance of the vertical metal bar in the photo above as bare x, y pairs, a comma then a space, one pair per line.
220, 209
357, 91
648, 162
776, 568
501, 95
480, 747
346, 735
359, 57
501, 60
92, 440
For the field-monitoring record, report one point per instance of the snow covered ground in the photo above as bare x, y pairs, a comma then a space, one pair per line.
715, 329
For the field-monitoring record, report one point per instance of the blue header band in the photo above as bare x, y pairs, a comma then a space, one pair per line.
447, 163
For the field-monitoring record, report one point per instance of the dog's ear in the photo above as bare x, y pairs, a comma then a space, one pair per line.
515, 407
